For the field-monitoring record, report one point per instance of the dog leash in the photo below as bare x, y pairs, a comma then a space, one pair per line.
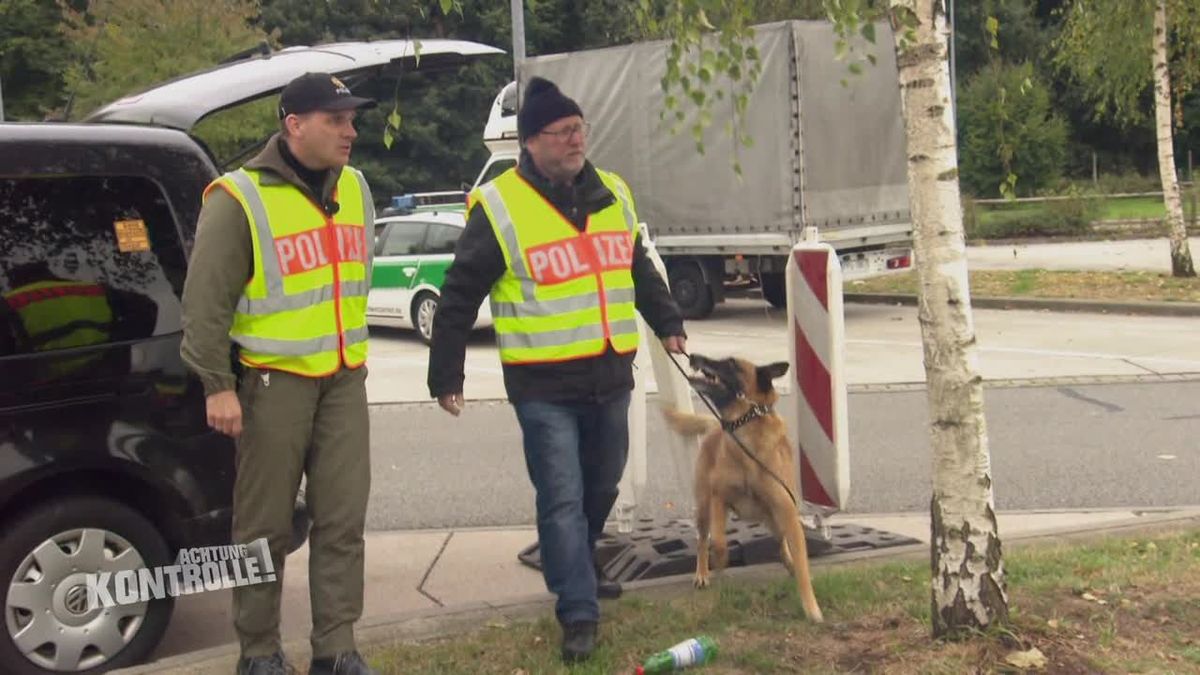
728, 430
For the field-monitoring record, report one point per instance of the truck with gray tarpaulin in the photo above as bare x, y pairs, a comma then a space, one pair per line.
827, 159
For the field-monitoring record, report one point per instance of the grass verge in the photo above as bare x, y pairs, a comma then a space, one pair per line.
1115, 605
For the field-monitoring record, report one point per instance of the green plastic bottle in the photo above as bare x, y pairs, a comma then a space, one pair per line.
694, 652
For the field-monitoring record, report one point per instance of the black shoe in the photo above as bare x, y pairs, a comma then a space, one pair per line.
579, 640
274, 664
346, 663
606, 588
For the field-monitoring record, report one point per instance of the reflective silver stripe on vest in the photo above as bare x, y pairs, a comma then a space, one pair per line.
624, 326
302, 300
368, 222
327, 343
623, 197
266, 241
509, 310
563, 337
357, 335
508, 232
551, 338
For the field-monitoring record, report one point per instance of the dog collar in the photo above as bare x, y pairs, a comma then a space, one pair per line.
756, 411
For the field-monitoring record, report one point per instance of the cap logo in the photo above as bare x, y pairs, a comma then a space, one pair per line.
340, 88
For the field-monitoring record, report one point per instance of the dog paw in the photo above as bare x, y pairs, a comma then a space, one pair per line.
700, 581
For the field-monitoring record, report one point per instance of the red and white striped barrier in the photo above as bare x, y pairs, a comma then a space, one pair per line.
817, 339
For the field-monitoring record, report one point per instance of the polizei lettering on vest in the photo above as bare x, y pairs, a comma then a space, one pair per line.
351, 243
614, 250
568, 259
306, 251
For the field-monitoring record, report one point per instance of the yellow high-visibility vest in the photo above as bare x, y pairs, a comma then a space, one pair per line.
61, 314
565, 294
304, 310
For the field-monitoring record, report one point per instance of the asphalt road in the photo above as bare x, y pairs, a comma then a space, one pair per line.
1114, 445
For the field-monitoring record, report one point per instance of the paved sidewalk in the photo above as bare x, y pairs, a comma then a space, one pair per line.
1117, 255
428, 583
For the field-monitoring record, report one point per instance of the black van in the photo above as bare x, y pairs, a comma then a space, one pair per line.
106, 460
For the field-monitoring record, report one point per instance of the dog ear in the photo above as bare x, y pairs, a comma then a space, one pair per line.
770, 372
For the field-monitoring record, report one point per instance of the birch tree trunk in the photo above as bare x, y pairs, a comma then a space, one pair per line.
968, 585
1181, 254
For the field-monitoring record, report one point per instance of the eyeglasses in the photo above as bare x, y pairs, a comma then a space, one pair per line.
565, 134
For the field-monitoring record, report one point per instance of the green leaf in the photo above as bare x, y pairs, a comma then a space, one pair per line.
394, 119
856, 68
447, 6
868, 32
387, 138
698, 97
417, 52
705, 75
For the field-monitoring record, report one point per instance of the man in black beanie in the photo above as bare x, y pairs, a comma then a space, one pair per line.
556, 244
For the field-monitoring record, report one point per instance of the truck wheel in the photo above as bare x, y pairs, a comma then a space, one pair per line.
424, 308
691, 291
773, 289
50, 625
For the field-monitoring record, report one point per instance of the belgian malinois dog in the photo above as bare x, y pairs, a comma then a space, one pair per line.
727, 478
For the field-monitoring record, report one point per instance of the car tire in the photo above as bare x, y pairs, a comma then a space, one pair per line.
424, 308
47, 551
690, 290
773, 289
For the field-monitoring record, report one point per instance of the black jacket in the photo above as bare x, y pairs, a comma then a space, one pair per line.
478, 265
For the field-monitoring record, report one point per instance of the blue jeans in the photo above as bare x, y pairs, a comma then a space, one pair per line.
575, 454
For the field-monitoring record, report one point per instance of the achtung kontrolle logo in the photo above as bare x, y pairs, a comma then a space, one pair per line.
211, 568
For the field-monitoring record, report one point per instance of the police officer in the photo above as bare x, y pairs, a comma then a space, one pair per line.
555, 243
281, 268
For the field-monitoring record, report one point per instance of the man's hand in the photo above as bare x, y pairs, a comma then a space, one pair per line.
451, 403
225, 412
676, 344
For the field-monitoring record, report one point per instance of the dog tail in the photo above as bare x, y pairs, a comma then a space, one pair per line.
689, 425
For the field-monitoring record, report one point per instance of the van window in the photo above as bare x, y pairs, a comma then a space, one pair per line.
496, 168
508, 100
442, 238
90, 275
86, 261
404, 238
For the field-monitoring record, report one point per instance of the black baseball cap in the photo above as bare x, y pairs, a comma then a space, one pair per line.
318, 91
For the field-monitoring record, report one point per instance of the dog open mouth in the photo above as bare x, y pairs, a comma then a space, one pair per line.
716, 380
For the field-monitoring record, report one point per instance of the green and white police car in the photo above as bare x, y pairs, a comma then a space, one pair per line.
412, 253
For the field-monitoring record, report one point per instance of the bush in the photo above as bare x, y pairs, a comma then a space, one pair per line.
1007, 105
1072, 216
1129, 182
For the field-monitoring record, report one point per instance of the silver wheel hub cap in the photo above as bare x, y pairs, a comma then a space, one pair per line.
50, 617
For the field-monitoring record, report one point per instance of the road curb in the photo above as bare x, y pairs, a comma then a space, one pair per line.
1185, 309
432, 623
